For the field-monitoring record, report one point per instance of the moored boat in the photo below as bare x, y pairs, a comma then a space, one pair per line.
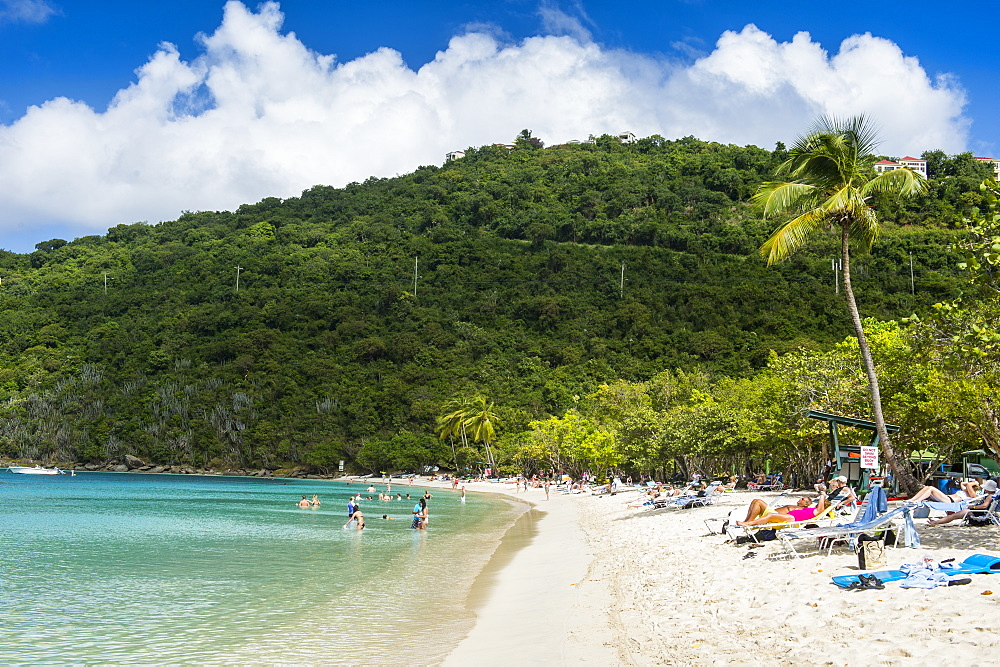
37, 470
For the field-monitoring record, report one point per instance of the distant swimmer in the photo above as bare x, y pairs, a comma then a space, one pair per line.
386, 516
371, 489
315, 500
463, 493
305, 502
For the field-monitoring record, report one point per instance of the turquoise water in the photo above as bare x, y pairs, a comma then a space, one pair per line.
131, 568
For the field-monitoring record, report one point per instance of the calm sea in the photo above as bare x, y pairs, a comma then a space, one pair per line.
132, 568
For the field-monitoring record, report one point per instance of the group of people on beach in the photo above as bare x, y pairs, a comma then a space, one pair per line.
842, 496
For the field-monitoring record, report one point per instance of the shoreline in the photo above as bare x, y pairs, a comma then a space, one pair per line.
593, 580
584, 578
542, 596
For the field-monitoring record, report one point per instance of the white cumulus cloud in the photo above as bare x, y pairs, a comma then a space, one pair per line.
259, 114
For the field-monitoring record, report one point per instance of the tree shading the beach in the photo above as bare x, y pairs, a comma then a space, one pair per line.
831, 182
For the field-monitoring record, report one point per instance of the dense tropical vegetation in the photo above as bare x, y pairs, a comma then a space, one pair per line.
591, 306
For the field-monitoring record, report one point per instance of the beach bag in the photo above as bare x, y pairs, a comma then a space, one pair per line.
977, 519
871, 552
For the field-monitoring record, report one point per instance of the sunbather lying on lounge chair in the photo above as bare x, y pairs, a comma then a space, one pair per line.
969, 490
759, 513
990, 487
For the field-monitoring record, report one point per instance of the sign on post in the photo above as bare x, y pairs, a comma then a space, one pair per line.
869, 457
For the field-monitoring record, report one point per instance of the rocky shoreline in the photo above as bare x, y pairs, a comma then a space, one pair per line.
133, 464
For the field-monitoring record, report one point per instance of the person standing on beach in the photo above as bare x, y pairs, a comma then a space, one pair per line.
546, 489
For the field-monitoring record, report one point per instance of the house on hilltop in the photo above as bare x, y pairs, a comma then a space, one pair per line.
995, 163
916, 164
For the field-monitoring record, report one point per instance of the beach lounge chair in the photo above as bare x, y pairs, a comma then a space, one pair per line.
689, 498
753, 532
771, 483
852, 530
984, 517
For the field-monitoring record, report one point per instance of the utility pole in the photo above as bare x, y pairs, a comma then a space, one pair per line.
105, 274
913, 289
238, 269
416, 260
621, 288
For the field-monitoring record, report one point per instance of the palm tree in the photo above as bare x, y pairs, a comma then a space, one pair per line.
830, 183
452, 424
481, 421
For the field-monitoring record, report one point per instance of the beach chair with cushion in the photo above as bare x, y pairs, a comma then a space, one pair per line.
754, 532
852, 530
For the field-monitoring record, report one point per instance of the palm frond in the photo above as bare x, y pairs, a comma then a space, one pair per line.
776, 198
864, 229
896, 183
793, 234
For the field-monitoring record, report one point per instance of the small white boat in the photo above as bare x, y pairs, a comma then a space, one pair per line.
37, 470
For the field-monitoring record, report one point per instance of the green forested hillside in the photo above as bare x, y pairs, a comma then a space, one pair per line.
532, 276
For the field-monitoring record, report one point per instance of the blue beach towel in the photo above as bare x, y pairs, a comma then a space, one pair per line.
974, 564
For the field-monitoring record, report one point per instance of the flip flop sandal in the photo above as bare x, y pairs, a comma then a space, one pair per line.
856, 586
873, 582
959, 582
749, 554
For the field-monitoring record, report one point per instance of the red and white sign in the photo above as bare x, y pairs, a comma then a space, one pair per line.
869, 457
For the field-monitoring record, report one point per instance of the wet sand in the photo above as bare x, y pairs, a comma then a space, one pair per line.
588, 579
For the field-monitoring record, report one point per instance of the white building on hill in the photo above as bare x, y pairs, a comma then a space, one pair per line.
995, 163
916, 164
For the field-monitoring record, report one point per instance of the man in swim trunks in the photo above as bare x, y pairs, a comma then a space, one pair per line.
759, 513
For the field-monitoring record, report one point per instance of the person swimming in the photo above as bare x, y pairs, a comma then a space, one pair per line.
315, 500
304, 502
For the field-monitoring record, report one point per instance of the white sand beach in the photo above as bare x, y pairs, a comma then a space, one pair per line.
598, 581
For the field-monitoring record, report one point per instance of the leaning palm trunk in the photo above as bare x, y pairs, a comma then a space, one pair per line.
902, 475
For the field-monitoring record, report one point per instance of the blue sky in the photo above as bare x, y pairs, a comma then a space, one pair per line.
119, 112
